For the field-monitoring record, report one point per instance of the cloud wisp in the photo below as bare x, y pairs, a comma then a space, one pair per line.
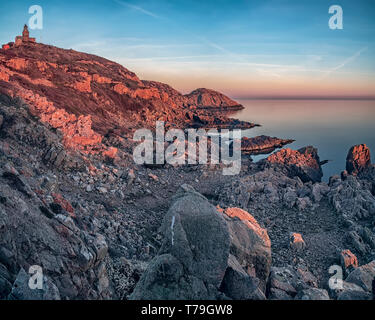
344, 63
138, 8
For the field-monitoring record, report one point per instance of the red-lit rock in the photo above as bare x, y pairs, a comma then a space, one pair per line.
296, 242
358, 159
211, 99
304, 163
250, 244
348, 259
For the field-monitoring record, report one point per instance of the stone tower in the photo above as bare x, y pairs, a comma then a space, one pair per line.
25, 34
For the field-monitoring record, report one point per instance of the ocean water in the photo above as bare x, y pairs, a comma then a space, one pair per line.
332, 126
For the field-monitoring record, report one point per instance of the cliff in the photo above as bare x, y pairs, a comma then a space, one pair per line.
88, 97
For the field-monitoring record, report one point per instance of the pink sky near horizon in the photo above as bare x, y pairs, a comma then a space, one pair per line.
240, 85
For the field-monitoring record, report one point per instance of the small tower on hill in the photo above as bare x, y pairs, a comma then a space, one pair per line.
24, 39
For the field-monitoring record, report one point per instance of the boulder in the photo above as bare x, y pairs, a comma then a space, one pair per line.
358, 159
296, 242
165, 279
352, 198
207, 253
363, 276
303, 203
197, 235
194, 252
249, 243
303, 163
319, 190
347, 290
348, 260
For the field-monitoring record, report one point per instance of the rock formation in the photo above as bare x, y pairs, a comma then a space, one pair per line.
304, 163
76, 91
262, 144
207, 256
210, 99
358, 159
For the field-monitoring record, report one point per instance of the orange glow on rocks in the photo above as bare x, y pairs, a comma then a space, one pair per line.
250, 221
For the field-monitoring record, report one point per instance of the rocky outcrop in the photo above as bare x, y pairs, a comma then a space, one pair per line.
196, 239
271, 188
353, 199
206, 254
44, 219
348, 260
66, 254
210, 99
363, 276
358, 159
88, 97
262, 144
359, 284
303, 163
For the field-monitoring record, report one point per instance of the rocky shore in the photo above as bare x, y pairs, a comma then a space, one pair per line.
73, 202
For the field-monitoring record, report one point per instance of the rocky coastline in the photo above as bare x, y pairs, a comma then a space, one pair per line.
73, 201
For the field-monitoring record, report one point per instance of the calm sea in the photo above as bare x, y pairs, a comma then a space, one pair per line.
332, 126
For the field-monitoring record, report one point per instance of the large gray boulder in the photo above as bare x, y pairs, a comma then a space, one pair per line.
165, 279
206, 254
197, 235
195, 249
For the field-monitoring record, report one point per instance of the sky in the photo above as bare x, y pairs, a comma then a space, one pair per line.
244, 48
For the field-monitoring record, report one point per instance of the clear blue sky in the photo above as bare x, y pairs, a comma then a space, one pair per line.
243, 48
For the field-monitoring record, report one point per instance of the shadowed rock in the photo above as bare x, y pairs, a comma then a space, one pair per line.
262, 144
363, 276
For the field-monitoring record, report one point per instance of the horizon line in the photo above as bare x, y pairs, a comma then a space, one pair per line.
304, 98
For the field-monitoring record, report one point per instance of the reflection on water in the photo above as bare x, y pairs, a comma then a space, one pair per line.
332, 126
